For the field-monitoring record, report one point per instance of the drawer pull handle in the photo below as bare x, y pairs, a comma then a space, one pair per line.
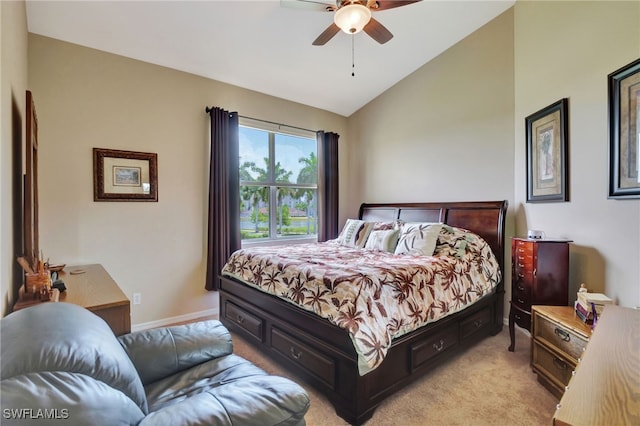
520, 301
520, 287
295, 354
438, 346
520, 265
477, 323
240, 319
559, 363
516, 316
562, 334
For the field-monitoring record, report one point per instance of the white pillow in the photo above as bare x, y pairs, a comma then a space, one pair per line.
355, 233
418, 238
384, 240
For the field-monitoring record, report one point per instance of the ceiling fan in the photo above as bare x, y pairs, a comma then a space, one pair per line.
350, 16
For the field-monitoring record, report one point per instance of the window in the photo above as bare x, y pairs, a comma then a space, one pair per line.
278, 183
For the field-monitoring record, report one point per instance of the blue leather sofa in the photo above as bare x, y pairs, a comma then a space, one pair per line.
63, 364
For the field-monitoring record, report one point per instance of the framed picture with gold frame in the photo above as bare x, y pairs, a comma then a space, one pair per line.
124, 175
624, 132
548, 154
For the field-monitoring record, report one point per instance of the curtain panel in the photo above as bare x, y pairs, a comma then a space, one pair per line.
327, 185
223, 233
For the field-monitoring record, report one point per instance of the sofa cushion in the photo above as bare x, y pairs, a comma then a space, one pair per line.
70, 398
67, 337
227, 390
160, 352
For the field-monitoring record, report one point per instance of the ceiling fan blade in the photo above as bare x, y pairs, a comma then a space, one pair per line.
326, 35
318, 5
377, 31
388, 4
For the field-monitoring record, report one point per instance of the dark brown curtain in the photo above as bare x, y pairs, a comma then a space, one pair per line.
327, 185
223, 234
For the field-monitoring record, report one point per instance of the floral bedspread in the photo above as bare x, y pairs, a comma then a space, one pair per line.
376, 296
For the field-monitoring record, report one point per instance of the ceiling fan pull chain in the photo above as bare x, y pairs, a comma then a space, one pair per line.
353, 61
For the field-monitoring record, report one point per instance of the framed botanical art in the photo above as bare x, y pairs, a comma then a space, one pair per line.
547, 154
624, 131
124, 175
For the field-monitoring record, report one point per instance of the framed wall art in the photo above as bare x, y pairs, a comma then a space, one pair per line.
547, 154
624, 131
124, 175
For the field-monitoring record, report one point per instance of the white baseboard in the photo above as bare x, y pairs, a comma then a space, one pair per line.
172, 320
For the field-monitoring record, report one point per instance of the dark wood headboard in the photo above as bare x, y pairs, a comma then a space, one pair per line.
485, 218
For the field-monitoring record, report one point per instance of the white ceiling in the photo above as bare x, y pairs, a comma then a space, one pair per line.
262, 46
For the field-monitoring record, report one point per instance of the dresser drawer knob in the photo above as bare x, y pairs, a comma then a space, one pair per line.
438, 346
562, 334
559, 406
240, 319
295, 354
520, 287
477, 323
520, 301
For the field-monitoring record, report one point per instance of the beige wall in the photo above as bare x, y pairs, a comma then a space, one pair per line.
445, 133
87, 98
13, 85
566, 50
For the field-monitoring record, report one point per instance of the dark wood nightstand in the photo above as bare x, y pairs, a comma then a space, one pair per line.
559, 337
539, 276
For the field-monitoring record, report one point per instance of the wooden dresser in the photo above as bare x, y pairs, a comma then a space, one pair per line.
559, 338
539, 276
605, 389
91, 287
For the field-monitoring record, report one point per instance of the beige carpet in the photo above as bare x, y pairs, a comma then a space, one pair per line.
486, 385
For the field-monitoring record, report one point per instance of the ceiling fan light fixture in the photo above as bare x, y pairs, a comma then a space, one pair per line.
352, 18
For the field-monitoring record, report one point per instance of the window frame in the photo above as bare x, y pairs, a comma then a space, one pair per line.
272, 129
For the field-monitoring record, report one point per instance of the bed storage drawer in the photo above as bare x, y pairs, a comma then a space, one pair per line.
250, 323
423, 352
315, 363
480, 320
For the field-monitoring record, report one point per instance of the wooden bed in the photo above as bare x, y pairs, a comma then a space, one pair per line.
323, 354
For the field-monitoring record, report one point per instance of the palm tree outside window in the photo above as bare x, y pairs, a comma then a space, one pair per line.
278, 185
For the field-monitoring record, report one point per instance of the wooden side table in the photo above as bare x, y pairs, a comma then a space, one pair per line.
559, 338
91, 287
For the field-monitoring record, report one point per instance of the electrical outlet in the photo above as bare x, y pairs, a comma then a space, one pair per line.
137, 298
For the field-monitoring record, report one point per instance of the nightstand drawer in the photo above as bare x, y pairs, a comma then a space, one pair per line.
560, 337
555, 368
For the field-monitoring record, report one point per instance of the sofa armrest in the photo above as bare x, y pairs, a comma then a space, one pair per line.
160, 352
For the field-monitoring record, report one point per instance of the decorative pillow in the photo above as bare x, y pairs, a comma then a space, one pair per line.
454, 241
383, 240
418, 238
383, 226
355, 233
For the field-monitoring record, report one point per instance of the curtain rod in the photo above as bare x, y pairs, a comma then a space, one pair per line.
207, 109
277, 124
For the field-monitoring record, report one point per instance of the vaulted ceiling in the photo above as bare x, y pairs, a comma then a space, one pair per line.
263, 46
